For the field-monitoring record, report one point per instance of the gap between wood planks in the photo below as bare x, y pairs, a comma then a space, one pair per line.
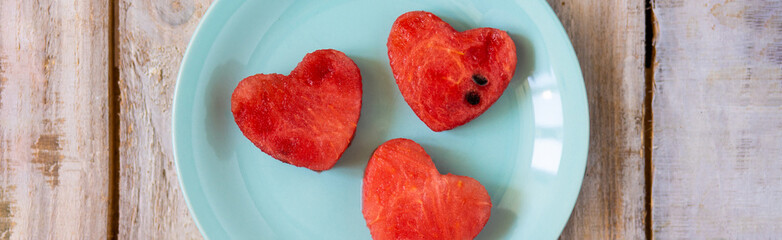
113, 102
648, 116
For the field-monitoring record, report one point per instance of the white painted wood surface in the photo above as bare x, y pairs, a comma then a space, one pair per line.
608, 37
153, 36
718, 120
53, 119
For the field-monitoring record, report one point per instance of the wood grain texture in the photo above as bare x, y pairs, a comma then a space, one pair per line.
53, 119
608, 37
153, 36
718, 120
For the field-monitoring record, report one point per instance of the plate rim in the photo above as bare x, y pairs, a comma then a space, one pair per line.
546, 33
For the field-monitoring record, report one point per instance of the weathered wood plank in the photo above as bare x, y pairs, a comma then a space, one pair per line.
718, 120
53, 119
608, 37
153, 36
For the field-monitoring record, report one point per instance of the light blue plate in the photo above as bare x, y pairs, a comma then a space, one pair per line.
529, 149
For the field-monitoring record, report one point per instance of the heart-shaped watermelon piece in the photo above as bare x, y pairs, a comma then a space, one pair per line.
307, 118
449, 77
405, 197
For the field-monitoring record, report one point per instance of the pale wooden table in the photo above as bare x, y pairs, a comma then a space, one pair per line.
685, 104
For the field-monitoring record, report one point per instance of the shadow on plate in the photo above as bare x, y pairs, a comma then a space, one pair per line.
219, 120
377, 108
500, 222
525, 55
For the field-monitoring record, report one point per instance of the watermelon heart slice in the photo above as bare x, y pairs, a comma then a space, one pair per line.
404, 197
448, 77
307, 118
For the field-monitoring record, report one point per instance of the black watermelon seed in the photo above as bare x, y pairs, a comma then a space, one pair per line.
479, 79
472, 98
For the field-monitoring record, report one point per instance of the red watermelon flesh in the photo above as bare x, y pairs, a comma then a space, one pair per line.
307, 118
448, 77
404, 197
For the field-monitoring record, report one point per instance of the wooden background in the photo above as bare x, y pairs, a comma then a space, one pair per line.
685, 104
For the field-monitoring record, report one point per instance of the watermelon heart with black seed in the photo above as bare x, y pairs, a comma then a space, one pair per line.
449, 77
